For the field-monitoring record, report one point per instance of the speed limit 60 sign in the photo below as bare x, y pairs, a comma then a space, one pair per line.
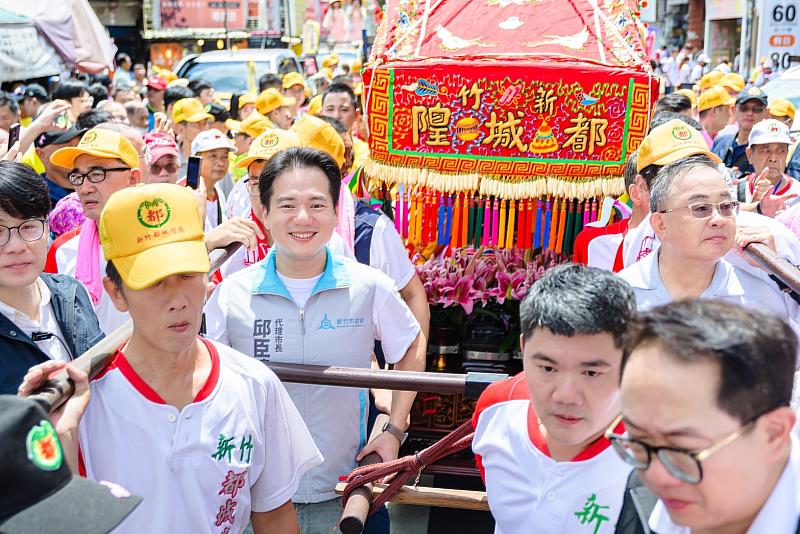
778, 38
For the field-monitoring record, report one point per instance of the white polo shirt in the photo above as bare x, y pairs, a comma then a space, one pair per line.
779, 515
66, 256
239, 447
529, 491
729, 283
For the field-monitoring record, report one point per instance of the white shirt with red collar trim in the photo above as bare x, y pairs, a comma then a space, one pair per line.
239, 447
786, 186
779, 515
528, 491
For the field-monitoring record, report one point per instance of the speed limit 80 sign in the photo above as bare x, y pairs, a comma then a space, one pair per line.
778, 36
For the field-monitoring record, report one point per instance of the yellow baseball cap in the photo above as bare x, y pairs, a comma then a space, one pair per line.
247, 98
316, 133
253, 125
356, 66
101, 143
716, 96
710, 79
150, 232
331, 61
780, 107
267, 145
315, 105
293, 78
733, 82
670, 142
190, 110
272, 99
688, 93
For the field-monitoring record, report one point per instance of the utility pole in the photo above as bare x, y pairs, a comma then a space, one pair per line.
227, 34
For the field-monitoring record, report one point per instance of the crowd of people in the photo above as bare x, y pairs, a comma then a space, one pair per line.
658, 373
684, 67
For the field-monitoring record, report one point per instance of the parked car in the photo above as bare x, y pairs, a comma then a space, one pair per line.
237, 71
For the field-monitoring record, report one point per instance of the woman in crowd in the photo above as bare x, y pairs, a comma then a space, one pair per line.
42, 316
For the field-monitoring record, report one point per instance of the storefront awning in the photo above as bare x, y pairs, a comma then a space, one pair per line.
181, 34
24, 53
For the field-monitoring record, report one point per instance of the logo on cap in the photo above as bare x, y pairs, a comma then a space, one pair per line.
44, 449
269, 141
681, 133
89, 138
153, 213
774, 128
754, 91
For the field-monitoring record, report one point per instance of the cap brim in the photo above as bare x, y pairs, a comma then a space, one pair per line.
65, 157
81, 505
767, 139
684, 152
199, 117
234, 125
68, 135
245, 162
150, 266
749, 98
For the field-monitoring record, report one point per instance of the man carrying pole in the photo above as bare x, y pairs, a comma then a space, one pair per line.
539, 435
207, 436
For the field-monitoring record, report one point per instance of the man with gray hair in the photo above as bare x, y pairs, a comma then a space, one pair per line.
673, 141
694, 217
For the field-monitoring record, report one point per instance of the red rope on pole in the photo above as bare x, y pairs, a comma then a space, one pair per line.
406, 467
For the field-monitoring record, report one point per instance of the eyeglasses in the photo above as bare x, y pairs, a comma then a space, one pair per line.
31, 230
680, 463
171, 168
252, 185
95, 176
703, 210
754, 109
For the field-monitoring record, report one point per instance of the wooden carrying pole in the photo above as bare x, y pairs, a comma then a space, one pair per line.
357, 509
787, 273
470, 384
422, 496
60, 388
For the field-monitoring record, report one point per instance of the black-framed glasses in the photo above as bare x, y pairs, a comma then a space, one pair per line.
252, 184
682, 464
31, 230
95, 175
703, 210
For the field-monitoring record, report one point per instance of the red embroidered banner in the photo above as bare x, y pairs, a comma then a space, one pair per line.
508, 119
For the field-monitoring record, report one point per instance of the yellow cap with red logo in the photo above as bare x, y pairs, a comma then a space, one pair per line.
150, 232
101, 143
670, 142
267, 145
